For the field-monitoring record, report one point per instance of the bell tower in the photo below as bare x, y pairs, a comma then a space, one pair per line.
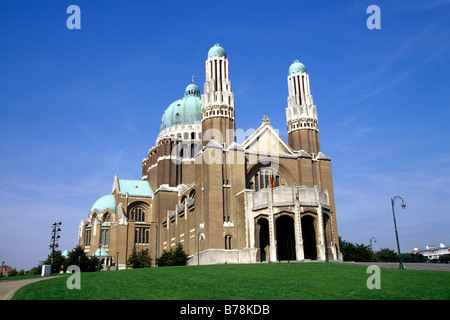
218, 120
301, 114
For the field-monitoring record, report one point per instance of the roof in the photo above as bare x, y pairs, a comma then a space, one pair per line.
217, 51
104, 203
103, 253
135, 187
297, 66
187, 110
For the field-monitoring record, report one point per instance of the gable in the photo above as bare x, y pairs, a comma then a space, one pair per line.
267, 140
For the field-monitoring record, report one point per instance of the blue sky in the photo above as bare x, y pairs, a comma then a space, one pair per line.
79, 106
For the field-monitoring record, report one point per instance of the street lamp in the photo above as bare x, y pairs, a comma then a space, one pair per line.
100, 257
371, 248
400, 266
54, 245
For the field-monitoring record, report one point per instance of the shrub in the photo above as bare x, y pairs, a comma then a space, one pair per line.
445, 258
386, 255
139, 259
79, 258
172, 257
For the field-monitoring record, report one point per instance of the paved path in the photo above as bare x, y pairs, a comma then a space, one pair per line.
407, 265
9, 287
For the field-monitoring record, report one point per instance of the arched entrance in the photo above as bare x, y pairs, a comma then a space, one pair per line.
285, 238
309, 238
262, 238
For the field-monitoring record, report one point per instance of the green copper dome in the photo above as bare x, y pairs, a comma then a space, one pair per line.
217, 51
105, 202
297, 66
187, 110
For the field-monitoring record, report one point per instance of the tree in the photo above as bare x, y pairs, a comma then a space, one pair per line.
445, 258
139, 259
33, 271
58, 263
386, 255
355, 252
165, 259
179, 256
79, 258
12, 273
413, 257
175, 257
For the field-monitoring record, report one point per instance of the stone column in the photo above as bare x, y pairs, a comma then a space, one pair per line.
273, 246
299, 252
320, 243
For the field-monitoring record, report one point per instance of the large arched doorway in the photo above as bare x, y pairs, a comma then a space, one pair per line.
285, 238
309, 238
262, 239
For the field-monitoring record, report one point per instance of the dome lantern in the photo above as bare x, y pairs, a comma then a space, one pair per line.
217, 51
297, 66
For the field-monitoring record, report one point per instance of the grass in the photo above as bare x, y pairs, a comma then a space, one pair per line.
293, 281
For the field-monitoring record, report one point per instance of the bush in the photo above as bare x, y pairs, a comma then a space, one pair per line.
175, 257
386, 255
413, 257
58, 262
355, 252
139, 259
79, 258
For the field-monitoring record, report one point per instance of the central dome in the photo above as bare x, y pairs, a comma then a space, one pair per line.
187, 110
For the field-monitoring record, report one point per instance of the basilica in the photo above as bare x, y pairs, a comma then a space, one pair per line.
262, 200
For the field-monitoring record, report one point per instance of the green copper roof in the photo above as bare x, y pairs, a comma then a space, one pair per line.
105, 202
101, 253
187, 110
192, 89
297, 66
217, 51
135, 187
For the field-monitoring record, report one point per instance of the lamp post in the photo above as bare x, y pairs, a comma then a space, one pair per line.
54, 245
400, 266
371, 248
99, 257
117, 260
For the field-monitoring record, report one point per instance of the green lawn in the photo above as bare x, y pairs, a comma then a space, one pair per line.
293, 281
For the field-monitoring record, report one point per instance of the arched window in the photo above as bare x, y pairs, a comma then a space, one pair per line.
265, 178
107, 218
227, 242
138, 214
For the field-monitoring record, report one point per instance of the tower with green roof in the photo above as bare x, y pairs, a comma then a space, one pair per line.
218, 121
301, 114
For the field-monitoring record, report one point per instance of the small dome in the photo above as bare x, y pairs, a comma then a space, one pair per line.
217, 51
187, 110
297, 66
192, 89
105, 202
